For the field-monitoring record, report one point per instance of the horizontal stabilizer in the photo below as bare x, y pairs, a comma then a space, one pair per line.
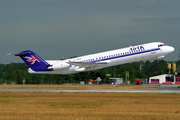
19, 54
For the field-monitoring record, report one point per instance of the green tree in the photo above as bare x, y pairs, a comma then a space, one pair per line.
48, 79
147, 66
10, 74
1, 77
19, 76
2, 67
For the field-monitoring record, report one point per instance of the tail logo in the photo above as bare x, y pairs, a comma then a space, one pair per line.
32, 59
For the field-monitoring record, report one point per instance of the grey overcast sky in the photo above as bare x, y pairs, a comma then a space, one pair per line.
57, 28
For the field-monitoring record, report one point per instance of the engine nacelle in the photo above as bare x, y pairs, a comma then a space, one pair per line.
58, 66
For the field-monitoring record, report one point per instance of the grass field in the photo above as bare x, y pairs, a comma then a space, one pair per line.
87, 106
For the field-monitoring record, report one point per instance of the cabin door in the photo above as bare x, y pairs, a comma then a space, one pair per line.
152, 48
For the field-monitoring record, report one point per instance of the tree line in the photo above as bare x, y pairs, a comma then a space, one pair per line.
17, 72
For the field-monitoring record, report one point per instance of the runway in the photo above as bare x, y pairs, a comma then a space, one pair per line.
162, 89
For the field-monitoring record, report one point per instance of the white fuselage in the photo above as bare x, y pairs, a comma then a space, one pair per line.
109, 58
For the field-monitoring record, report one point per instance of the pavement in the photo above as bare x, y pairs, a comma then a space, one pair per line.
167, 87
161, 89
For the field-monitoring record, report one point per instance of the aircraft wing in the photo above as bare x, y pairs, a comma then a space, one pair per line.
84, 64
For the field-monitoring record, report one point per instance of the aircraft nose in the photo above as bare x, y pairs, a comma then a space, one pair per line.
171, 49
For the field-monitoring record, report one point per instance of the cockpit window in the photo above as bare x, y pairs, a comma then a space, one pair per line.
160, 45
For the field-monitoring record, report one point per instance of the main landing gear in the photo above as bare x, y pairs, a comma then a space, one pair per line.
93, 74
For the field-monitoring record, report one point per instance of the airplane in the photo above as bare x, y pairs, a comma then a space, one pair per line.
95, 61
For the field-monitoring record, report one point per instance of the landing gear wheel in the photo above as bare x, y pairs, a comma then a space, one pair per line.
98, 74
92, 74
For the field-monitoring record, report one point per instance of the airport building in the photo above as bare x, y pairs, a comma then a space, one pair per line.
116, 81
177, 79
161, 78
165, 79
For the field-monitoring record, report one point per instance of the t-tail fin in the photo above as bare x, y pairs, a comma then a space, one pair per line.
35, 62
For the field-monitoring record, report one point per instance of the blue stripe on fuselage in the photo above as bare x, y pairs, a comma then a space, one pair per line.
120, 56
